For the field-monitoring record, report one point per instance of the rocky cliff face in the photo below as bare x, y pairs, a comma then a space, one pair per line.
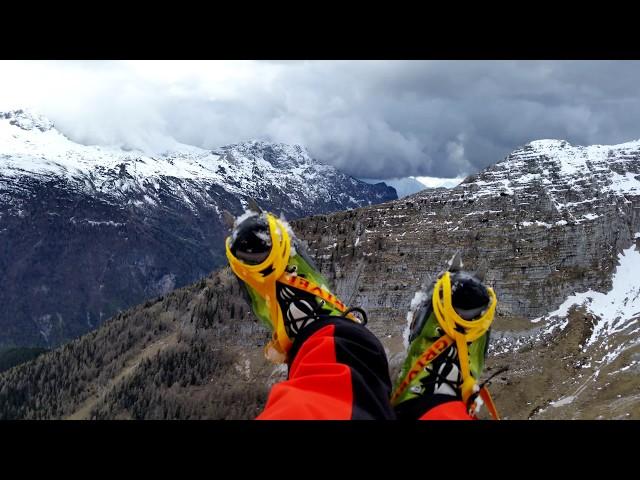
556, 228
547, 221
553, 225
87, 231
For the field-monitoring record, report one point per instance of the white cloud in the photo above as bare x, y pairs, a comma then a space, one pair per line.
435, 182
376, 119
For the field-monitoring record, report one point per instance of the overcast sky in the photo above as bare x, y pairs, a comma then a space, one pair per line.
373, 119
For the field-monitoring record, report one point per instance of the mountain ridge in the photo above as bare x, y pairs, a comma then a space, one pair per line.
91, 230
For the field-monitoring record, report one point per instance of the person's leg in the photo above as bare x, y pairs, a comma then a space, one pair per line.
337, 368
338, 371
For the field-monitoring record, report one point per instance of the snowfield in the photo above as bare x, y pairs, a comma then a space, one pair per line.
618, 309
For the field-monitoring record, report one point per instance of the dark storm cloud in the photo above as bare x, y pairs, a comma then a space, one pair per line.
378, 119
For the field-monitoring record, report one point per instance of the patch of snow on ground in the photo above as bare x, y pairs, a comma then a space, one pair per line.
617, 309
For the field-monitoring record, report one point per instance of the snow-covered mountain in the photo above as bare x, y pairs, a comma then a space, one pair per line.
30, 145
555, 226
89, 230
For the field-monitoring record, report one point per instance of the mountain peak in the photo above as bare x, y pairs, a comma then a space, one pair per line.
281, 155
552, 145
548, 144
27, 120
262, 145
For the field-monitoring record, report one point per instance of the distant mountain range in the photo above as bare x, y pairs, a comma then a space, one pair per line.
87, 231
409, 185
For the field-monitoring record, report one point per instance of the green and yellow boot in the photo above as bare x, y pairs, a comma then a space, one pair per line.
286, 291
449, 337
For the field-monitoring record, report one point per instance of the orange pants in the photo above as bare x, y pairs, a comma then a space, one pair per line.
339, 371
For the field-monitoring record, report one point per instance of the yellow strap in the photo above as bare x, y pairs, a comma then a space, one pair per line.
452, 324
265, 284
